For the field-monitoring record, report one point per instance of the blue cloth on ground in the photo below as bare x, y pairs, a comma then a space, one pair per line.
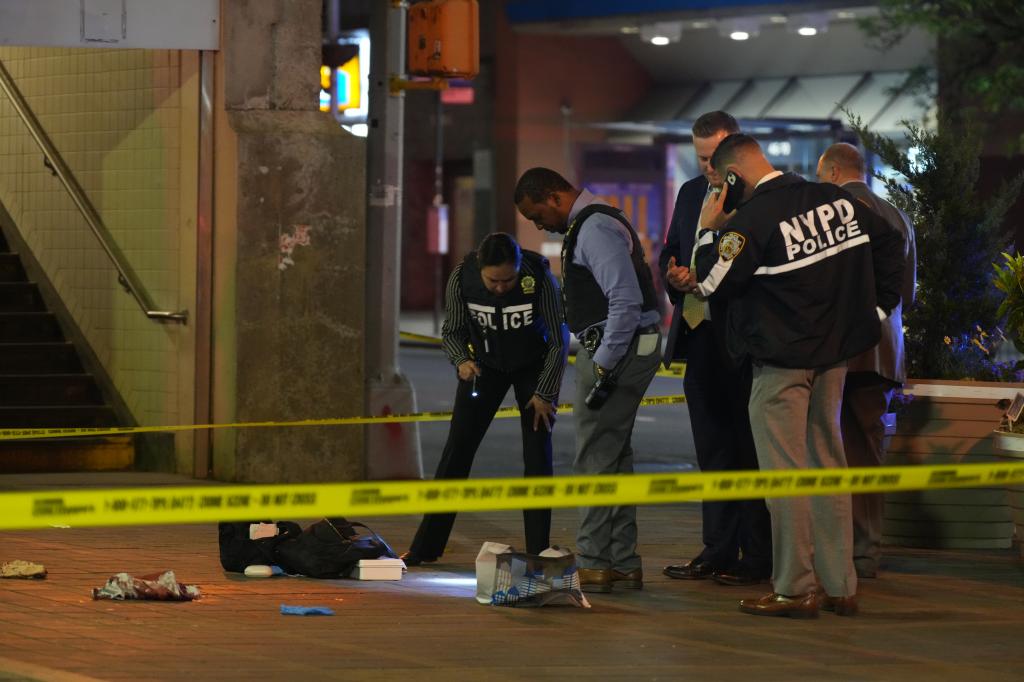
287, 610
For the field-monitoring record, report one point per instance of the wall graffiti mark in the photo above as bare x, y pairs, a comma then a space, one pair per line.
299, 237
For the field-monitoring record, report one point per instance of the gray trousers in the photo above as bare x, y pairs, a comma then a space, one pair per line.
794, 414
607, 535
865, 400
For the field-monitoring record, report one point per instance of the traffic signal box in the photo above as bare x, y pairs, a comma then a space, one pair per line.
444, 38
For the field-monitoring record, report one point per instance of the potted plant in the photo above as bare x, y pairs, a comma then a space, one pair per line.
950, 334
1009, 437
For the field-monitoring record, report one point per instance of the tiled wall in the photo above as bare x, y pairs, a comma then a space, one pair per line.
121, 120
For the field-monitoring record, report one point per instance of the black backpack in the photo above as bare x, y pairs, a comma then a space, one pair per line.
237, 551
329, 548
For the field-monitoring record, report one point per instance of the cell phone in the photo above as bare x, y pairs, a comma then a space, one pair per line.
736, 189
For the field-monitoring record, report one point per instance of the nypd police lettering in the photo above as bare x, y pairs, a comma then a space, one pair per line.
512, 317
813, 232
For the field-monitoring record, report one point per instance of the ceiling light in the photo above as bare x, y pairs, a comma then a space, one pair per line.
777, 19
846, 14
809, 24
629, 30
662, 33
741, 28
701, 24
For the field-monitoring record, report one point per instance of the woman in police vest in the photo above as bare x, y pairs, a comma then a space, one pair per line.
503, 328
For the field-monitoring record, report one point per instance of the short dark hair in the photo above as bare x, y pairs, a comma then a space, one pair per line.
730, 148
713, 122
498, 248
538, 183
845, 156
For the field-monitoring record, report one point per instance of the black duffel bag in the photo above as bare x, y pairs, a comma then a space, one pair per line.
237, 551
329, 548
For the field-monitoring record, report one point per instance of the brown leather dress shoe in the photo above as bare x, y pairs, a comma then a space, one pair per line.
698, 569
775, 604
843, 606
632, 580
595, 579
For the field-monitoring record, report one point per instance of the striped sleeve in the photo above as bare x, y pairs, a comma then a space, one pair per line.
455, 330
550, 380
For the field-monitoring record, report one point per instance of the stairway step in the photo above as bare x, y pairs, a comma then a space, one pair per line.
56, 357
26, 390
111, 453
57, 416
34, 326
11, 269
20, 297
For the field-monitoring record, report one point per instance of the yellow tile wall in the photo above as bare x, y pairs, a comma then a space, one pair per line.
117, 118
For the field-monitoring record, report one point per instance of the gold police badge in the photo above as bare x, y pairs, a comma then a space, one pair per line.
730, 245
529, 284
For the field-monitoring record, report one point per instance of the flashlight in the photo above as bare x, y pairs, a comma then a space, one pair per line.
473, 393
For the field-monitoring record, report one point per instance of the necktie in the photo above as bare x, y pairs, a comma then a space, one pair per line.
694, 309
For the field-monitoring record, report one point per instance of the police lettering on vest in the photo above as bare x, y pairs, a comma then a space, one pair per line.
511, 317
822, 230
508, 331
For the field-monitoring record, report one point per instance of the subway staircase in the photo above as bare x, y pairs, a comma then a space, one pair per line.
43, 384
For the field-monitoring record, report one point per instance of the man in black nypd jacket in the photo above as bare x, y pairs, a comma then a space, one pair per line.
809, 272
503, 327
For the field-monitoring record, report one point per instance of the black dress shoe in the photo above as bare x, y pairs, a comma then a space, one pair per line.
739, 577
698, 569
411, 558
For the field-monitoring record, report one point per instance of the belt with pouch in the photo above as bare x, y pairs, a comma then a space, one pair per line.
591, 337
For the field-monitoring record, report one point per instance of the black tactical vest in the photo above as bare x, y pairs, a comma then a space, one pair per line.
585, 303
507, 332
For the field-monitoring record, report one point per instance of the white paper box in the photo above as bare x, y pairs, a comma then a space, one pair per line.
379, 569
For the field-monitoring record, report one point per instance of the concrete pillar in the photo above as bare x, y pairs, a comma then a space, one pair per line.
289, 239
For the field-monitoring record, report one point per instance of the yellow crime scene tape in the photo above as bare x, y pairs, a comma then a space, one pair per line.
502, 413
676, 369
203, 504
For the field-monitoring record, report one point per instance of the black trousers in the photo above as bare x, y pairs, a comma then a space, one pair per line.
470, 420
717, 395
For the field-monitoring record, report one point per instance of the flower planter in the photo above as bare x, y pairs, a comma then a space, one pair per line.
949, 422
1011, 445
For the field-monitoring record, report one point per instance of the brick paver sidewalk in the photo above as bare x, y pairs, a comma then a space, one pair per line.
937, 615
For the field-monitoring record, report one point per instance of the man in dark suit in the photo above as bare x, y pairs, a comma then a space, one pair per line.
736, 534
873, 375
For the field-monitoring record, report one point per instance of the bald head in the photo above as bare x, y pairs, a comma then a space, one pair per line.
841, 163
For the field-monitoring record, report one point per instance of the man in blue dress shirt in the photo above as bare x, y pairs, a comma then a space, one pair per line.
612, 308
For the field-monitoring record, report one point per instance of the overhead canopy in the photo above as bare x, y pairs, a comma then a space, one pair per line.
797, 102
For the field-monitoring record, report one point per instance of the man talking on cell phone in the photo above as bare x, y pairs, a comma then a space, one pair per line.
809, 272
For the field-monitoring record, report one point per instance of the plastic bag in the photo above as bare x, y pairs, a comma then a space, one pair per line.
505, 577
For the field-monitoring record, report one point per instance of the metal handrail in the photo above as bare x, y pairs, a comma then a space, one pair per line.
125, 274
